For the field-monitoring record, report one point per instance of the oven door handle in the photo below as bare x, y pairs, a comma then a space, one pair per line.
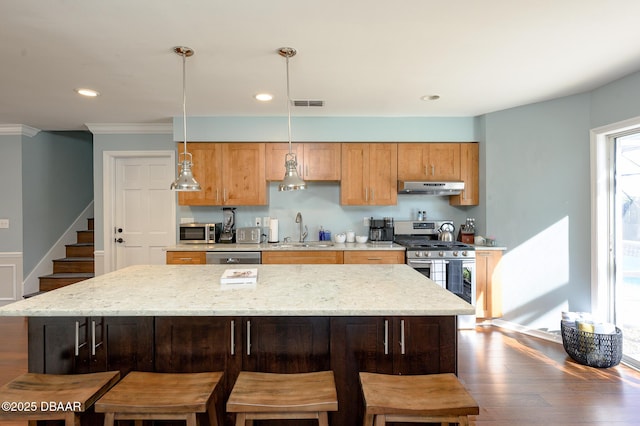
422, 262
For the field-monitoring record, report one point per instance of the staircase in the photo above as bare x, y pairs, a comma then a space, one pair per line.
77, 266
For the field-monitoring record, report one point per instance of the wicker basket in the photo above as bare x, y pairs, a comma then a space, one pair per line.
592, 349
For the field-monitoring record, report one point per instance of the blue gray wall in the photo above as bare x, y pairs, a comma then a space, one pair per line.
57, 185
11, 192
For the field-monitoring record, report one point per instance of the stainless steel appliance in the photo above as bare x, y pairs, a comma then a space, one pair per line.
381, 230
250, 235
451, 264
199, 233
228, 234
233, 257
430, 188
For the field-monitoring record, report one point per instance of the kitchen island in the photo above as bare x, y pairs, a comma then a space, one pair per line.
296, 318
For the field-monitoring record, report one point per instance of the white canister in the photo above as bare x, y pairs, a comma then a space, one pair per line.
351, 237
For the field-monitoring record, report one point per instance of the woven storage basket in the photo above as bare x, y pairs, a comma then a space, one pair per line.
592, 349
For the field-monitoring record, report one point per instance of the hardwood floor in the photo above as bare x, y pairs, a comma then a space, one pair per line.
517, 380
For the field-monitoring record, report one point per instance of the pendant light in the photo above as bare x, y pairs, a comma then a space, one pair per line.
185, 180
291, 181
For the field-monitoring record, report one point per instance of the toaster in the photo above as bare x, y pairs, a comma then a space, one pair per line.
251, 235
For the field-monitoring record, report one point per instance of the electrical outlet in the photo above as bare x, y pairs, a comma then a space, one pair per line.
366, 221
4, 223
258, 221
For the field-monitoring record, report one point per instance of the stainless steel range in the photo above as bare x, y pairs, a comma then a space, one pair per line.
451, 264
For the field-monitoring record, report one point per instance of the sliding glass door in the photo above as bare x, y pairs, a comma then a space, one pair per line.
626, 242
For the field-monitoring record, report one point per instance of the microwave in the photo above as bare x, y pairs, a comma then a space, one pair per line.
199, 233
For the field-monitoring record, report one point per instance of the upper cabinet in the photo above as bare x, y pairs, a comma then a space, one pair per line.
428, 161
469, 174
316, 161
231, 174
369, 174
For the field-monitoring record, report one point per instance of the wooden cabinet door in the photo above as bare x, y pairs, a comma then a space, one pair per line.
58, 345
443, 161
321, 161
422, 345
373, 256
354, 186
469, 174
383, 174
207, 171
243, 173
369, 174
488, 284
186, 257
275, 153
429, 161
357, 344
302, 257
286, 344
126, 344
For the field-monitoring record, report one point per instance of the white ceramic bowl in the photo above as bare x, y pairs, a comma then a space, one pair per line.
340, 238
361, 238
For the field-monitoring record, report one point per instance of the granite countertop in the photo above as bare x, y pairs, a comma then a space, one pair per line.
281, 290
292, 246
489, 248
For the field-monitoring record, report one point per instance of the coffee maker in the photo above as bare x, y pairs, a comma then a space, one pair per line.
228, 234
381, 230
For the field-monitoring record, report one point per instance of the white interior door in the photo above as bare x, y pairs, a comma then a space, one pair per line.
144, 211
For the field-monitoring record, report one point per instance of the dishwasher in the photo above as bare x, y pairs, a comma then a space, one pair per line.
233, 257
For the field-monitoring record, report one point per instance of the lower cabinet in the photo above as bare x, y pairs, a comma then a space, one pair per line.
186, 257
303, 257
488, 284
68, 345
346, 345
374, 256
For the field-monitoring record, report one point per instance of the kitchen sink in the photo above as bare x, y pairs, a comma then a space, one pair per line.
311, 244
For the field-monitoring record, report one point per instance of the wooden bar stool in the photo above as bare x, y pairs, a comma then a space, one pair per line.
430, 398
161, 396
33, 396
262, 396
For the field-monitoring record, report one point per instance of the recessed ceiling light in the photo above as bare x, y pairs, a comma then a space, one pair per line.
430, 97
264, 97
90, 93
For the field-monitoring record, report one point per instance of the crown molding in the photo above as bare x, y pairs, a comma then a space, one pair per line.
129, 128
18, 129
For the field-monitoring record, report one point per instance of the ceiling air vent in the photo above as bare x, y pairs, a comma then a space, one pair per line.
307, 103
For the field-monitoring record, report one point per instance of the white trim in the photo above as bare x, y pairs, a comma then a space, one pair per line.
601, 193
13, 262
545, 335
18, 129
98, 257
129, 128
108, 182
31, 283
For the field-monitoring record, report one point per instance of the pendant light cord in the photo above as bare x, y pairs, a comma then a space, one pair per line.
288, 105
184, 101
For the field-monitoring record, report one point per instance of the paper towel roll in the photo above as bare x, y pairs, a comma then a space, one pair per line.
273, 231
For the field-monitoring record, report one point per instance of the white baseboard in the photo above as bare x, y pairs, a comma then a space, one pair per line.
10, 277
552, 337
45, 266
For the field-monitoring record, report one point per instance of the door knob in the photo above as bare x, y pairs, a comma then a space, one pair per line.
119, 240
119, 230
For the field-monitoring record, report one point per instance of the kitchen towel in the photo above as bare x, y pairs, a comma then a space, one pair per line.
273, 231
454, 277
438, 272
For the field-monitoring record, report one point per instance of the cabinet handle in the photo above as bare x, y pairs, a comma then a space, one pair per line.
94, 345
366, 194
233, 337
248, 337
402, 337
217, 195
374, 258
433, 170
372, 197
386, 337
77, 345
306, 170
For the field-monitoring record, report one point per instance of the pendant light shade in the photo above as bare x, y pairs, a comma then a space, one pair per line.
292, 180
185, 180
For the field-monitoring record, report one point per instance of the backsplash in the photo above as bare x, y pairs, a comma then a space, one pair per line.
320, 206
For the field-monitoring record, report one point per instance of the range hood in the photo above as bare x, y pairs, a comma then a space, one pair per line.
430, 188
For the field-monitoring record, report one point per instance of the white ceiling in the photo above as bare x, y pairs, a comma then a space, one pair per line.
362, 57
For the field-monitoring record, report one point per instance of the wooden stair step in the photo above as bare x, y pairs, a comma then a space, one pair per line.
80, 250
85, 236
90, 224
73, 264
53, 281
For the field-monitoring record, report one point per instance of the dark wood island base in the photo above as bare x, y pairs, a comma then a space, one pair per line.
289, 344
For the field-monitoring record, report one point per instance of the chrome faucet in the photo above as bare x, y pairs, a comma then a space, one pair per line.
304, 234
